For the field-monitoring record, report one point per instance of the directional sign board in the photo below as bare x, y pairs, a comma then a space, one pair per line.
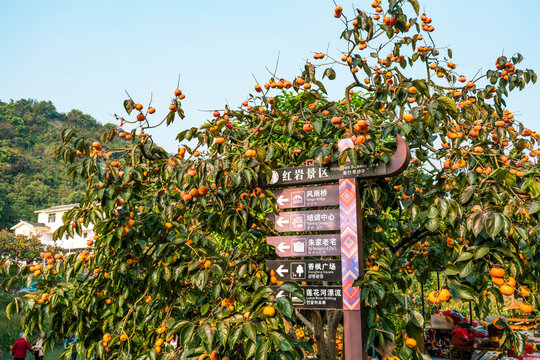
315, 174
306, 270
311, 196
306, 245
317, 297
347, 243
320, 174
314, 220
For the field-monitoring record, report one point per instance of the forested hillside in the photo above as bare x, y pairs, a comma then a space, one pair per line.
30, 176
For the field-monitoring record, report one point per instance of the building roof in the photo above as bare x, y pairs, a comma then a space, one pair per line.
33, 224
57, 208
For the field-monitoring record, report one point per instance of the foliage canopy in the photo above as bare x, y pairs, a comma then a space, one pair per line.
468, 203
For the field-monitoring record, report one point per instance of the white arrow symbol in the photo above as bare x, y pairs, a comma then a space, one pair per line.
282, 200
281, 221
282, 247
281, 270
281, 293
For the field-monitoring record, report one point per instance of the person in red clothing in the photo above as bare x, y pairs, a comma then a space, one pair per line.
19, 348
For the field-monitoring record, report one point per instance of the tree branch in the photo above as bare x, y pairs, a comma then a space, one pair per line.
306, 322
412, 237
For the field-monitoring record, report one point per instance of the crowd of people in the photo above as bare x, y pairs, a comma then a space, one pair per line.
21, 346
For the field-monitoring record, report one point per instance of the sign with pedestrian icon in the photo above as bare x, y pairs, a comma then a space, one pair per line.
307, 270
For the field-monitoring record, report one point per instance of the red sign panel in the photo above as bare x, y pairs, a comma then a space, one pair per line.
306, 245
311, 196
313, 220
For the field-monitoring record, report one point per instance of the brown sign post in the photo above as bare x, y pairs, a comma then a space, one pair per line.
348, 243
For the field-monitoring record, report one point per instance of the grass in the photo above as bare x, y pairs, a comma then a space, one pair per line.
10, 329
55, 354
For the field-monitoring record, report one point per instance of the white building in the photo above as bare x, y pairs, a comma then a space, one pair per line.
49, 220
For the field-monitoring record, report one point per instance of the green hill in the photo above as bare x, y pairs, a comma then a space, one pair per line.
30, 176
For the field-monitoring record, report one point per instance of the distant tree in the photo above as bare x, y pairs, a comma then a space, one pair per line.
30, 176
19, 247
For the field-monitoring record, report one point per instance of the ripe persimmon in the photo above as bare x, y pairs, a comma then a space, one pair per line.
497, 272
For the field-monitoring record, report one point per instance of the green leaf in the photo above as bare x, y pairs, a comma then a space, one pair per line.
170, 117
415, 6
475, 222
443, 207
494, 224
464, 256
481, 252
467, 269
206, 334
263, 348
460, 291
281, 341
261, 153
223, 331
234, 335
201, 279
249, 330
187, 334
12, 308
250, 349
533, 207
432, 224
317, 125
422, 87
417, 319
285, 306
294, 289
448, 103
129, 105
343, 157
451, 270
466, 194
329, 73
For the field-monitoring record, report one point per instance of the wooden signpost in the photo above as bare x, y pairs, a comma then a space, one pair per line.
347, 219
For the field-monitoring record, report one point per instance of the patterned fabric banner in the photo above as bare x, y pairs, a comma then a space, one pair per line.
349, 243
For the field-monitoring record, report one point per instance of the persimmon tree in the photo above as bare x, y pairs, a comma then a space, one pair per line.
181, 237
19, 247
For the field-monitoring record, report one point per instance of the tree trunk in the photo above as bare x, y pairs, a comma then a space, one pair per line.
334, 318
326, 343
322, 346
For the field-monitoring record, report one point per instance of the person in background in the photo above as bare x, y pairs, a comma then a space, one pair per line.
19, 348
38, 348
71, 339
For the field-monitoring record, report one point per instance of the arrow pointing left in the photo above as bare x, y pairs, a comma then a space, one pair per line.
281, 270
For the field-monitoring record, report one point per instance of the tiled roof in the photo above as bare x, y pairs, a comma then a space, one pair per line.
31, 223
35, 223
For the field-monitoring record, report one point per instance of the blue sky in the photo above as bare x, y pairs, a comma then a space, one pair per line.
84, 55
